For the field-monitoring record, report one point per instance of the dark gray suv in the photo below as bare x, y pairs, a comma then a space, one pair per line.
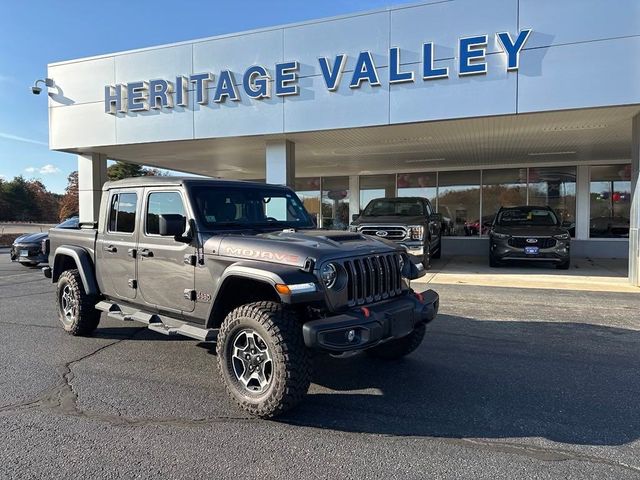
528, 233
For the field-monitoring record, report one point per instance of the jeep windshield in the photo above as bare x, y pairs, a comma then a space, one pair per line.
403, 207
527, 217
249, 207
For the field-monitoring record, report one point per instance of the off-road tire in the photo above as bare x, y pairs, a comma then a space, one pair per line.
85, 318
564, 265
291, 369
401, 347
438, 253
426, 256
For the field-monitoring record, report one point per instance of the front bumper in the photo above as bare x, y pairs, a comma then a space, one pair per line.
414, 248
560, 252
34, 254
365, 327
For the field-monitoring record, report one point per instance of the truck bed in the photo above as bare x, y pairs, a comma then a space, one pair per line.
82, 237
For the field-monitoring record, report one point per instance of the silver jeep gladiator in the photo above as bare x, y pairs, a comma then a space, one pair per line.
240, 264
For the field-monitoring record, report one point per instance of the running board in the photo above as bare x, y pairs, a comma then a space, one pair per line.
158, 323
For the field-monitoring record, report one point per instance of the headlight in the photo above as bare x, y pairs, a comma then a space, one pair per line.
562, 236
416, 232
329, 274
501, 236
353, 228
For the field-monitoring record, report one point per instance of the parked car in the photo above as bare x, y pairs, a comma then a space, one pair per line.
241, 264
31, 249
531, 234
407, 221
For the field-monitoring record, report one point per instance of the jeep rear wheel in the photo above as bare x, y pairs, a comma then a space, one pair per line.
401, 347
262, 358
76, 309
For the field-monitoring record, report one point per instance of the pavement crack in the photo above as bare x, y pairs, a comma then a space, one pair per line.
547, 454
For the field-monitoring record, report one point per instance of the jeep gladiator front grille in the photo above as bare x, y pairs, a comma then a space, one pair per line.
373, 278
391, 232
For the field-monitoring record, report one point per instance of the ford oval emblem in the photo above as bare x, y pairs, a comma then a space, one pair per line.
532, 240
382, 233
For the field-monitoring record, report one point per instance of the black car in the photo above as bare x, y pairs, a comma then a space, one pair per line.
528, 233
30, 250
409, 221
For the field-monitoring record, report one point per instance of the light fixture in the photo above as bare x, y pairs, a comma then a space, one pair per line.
567, 128
48, 82
544, 154
424, 160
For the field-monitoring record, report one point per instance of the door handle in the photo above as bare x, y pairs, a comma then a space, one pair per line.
145, 252
110, 249
131, 252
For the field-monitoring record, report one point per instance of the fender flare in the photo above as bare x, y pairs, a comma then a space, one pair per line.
83, 262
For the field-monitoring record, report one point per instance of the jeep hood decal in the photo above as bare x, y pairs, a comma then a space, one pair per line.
294, 247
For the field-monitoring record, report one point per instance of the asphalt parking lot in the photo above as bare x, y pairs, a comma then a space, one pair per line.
511, 383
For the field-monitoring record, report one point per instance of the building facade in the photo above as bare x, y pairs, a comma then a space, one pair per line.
474, 105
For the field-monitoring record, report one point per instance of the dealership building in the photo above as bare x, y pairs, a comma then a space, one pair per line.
472, 104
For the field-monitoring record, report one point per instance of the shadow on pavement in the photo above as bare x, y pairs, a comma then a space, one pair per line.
567, 382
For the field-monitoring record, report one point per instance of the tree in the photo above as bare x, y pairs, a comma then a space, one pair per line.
120, 170
69, 202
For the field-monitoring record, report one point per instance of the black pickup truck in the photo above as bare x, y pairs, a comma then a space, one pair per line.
409, 221
240, 264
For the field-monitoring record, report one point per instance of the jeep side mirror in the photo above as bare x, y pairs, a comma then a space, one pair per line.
355, 216
171, 225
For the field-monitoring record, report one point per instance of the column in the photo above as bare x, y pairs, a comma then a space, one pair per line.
634, 231
354, 196
281, 162
583, 200
92, 174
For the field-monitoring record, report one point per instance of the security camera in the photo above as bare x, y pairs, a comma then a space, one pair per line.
36, 89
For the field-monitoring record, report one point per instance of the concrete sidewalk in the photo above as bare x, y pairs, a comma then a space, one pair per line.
598, 275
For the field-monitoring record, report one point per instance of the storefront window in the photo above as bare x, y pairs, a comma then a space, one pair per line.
459, 202
418, 185
502, 188
610, 193
555, 187
335, 203
308, 189
376, 186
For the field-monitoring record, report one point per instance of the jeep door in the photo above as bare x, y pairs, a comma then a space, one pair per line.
116, 243
166, 272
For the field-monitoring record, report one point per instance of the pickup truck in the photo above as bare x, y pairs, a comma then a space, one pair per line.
240, 264
409, 221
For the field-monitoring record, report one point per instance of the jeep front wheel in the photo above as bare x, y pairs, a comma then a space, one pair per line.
262, 358
76, 309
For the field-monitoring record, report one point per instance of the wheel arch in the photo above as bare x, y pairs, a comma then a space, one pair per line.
68, 257
239, 288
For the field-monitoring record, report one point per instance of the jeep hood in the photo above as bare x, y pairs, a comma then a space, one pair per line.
294, 247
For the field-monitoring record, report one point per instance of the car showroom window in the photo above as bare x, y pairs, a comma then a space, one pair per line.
555, 187
459, 202
162, 203
122, 214
610, 201
502, 188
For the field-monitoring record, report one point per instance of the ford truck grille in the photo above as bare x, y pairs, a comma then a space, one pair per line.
373, 278
540, 242
389, 232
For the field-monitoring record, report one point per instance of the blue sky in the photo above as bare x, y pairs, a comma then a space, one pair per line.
34, 33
